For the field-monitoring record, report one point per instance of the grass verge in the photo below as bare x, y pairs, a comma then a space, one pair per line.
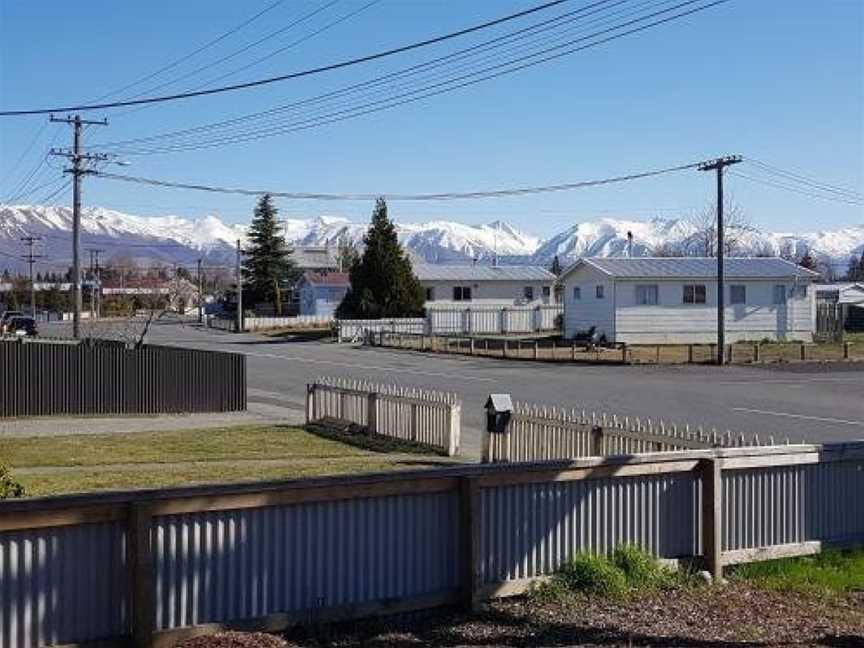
829, 572
81, 463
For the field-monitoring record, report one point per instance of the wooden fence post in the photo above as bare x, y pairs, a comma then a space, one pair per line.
454, 429
573, 350
597, 449
310, 403
846, 350
414, 422
504, 349
372, 412
756, 350
469, 518
657, 354
689, 354
803, 351
486, 346
712, 516
503, 321
553, 349
536, 349
471, 346
141, 580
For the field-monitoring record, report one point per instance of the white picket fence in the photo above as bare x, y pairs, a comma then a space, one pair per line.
407, 413
537, 433
264, 323
358, 330
485, 320
478, 320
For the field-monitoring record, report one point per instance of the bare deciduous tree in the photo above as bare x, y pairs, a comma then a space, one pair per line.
703, 240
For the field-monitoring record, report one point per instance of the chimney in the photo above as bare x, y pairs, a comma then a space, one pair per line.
629, 245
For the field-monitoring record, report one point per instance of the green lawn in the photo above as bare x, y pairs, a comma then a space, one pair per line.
830, 572
53, 465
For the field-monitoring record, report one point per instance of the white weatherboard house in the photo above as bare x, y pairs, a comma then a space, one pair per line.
482, 285
320, 293
674, 300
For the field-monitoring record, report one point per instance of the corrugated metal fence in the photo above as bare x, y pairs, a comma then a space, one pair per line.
408, 413
52, 378
536, 433
164, 565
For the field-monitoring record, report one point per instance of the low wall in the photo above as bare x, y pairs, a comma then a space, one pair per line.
156, 567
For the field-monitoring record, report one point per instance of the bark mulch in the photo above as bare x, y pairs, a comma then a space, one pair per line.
734, 615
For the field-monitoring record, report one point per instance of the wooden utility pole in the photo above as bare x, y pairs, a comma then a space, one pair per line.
239, 288
31, 259
78, 171
200, 295
718, 165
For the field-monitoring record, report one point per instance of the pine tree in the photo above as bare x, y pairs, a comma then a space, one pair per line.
555, 268
268, 265
807, 261
852, 268
383, 283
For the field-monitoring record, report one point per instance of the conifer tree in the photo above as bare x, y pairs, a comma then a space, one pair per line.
383, 283
267, 266
555, 268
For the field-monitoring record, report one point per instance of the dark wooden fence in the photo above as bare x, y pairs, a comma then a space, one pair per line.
53, 378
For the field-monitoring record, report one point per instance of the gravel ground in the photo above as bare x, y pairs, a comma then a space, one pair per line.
736, 615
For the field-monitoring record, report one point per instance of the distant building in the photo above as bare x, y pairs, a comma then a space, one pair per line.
674, 300
320, 293
840, 293
483, 285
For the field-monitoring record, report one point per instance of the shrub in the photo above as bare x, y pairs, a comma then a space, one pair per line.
9, 487
641, 569
592, 574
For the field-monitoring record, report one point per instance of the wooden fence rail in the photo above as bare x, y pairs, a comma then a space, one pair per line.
536, 433
556, 350
157, 567
410, 414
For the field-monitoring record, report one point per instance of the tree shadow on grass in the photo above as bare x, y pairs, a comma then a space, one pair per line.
359, 436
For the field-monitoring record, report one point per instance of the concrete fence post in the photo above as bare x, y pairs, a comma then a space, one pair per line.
504, 349
471, 346
712, 516
536, 349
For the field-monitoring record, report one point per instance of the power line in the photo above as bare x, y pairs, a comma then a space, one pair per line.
786, 187
805, 180
295, 75
497, 193
195, 52
501, 69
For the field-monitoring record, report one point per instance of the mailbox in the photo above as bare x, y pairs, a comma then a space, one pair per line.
499, 409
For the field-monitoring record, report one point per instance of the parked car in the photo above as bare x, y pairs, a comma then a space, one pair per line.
21, 326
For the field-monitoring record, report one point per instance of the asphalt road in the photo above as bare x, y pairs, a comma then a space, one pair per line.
812, 402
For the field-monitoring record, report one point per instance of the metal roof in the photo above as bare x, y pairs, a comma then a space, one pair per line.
434, 272
309, 257
696, 268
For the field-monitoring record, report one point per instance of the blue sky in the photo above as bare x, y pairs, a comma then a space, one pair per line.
780, 81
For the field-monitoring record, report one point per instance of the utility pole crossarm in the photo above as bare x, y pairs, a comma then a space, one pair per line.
718, 165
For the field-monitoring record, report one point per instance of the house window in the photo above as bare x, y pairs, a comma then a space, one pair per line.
528, 291
694, 294
598, 292
647, 295
577, 293
547, 291
430, 294
779, 295
738, 294
462, 293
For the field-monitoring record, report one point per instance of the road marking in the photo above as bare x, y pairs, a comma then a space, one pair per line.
370, 367
798, 416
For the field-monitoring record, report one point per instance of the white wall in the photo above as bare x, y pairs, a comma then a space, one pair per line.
588, 311
488, 292
320, 301
672, 321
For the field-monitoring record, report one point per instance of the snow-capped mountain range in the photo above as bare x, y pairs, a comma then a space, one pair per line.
174, 239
